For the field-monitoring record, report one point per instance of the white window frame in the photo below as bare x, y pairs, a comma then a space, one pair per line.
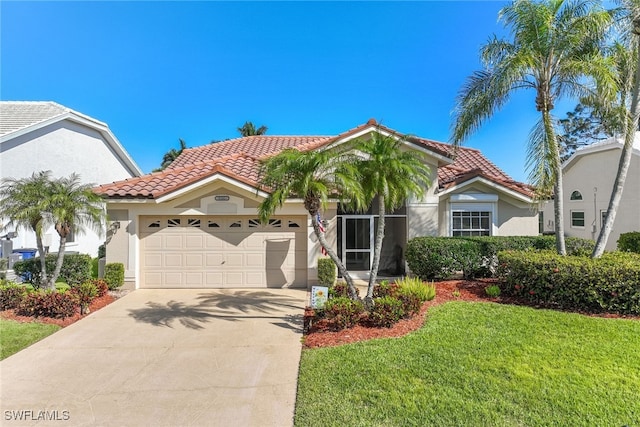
475, 203
584, 219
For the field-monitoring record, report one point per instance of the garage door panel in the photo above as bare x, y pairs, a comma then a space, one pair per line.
214, 259
194, 242
255, 259
214, 279
172, 260
153, 259
213, 242
184, 255
172, 242
153, 241
194, 260
234, 279
232, 260
194, 279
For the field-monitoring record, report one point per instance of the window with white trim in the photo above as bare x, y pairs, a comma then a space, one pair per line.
471, 223
577, 219
576, 195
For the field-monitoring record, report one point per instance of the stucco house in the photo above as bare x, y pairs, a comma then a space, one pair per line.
588, 177
40, 136
195, 224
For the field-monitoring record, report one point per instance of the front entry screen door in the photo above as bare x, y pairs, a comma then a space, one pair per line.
357, 237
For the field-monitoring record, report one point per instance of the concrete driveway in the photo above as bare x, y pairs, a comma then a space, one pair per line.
164, 358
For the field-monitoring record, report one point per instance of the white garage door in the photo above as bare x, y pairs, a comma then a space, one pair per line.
222, 252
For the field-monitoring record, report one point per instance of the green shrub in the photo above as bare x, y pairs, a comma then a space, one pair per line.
340, 289
415, 286
386, 312
410, 303
326, 272
84, 293
11, 295
76, 268
48, 304
384, 289
441, 257
493, 291
629, 242
343, 312
431, 257
95, 267
101, 285
114, 275
610, 283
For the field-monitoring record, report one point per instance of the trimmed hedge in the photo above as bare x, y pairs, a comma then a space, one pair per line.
442, 257
76, 268
629, 242
326, 272
608, 284
114, 275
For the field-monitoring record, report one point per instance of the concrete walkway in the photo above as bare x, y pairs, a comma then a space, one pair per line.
164, 358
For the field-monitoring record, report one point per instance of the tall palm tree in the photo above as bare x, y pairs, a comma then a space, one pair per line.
314, 176
391, 175
249, 129
628, 62
171, 155
73, 207
24, 203
556, 44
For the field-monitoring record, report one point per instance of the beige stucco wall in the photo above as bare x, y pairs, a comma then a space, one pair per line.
63, 148
521, 220
593, 175
513, 217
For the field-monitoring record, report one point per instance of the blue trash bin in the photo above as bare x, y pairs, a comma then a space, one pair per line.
26, 252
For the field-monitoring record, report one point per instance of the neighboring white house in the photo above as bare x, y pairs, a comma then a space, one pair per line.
39, 136
588, 177
195, 224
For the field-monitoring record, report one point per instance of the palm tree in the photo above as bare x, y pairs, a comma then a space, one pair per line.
23, 202
391, 175
556, 44
249, 129
628, 61
314, 176
171, 155
72, 207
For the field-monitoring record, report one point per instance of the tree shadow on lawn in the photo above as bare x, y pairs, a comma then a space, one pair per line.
233, 307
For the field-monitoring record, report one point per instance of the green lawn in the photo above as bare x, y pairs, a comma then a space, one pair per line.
15, 336
480, 364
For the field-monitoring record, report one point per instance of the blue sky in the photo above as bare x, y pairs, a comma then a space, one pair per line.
159, 71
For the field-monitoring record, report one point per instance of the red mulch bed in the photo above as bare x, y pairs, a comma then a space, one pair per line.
96, 304
319, 336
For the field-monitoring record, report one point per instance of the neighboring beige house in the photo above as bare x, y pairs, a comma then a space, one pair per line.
588, 177
195, 224
40, 136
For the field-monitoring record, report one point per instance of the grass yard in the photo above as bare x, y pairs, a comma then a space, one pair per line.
480, 364
15, 336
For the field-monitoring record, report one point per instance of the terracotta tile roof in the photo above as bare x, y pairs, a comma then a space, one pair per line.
240, 159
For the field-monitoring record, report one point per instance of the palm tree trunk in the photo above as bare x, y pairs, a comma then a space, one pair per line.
59, 261
558, 202
42, 282
623, 166
377, 248
353, 293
